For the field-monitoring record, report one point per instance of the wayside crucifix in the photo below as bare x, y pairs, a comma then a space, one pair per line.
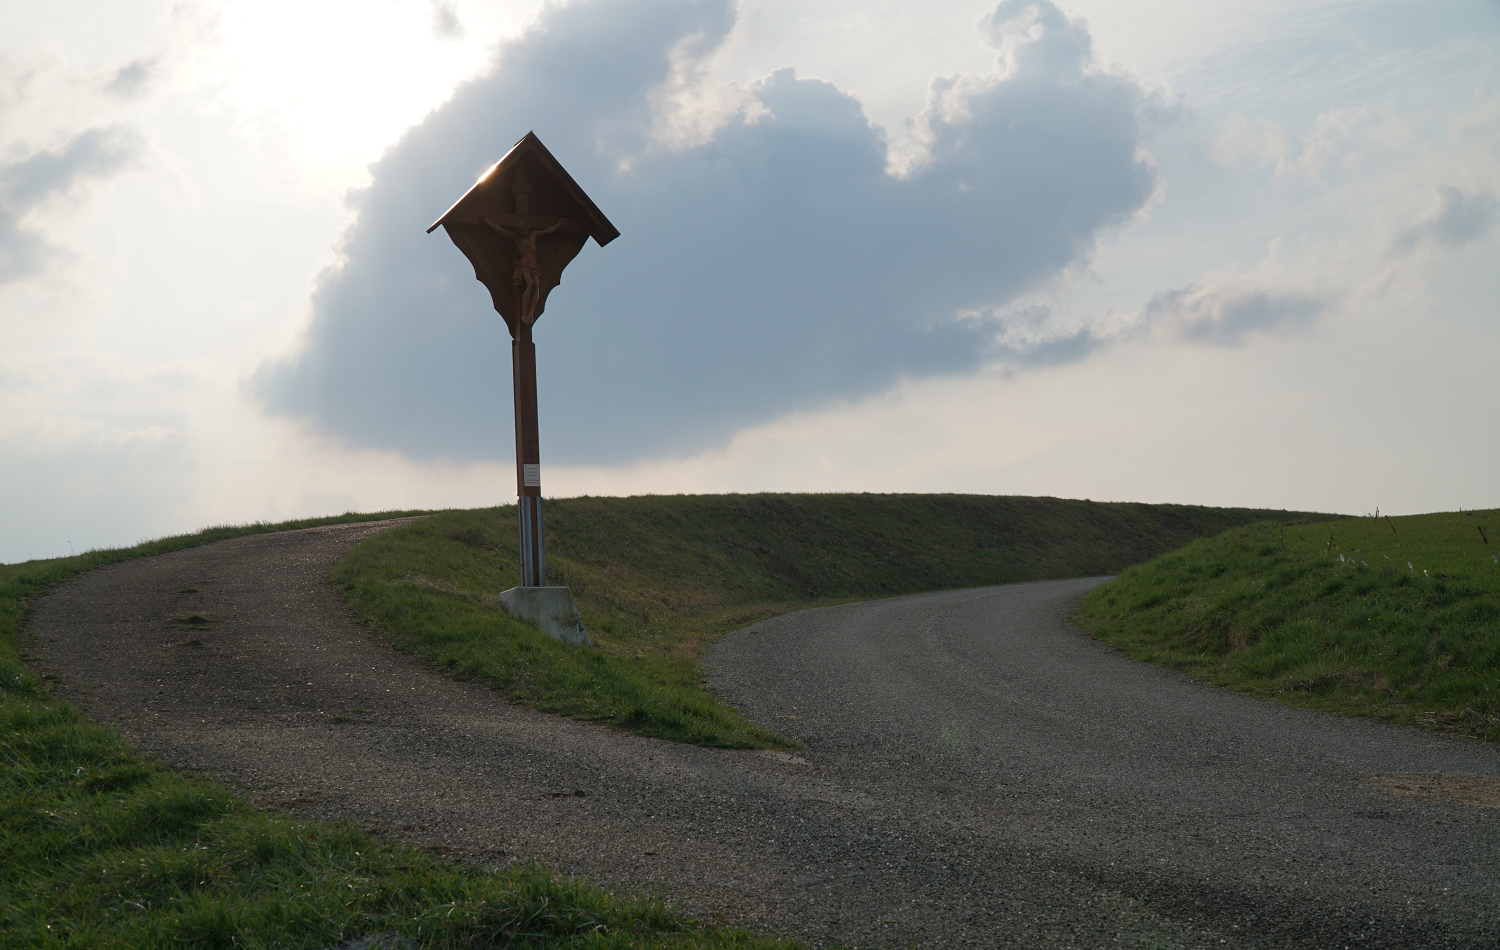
520, 225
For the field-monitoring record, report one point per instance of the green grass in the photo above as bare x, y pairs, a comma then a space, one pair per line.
658, 578
1393, 618
101, 848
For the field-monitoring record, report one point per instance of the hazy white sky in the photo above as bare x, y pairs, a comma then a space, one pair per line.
1229, 254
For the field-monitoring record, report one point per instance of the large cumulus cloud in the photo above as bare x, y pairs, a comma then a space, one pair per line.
773, 264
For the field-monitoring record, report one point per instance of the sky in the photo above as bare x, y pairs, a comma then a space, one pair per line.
1238, 254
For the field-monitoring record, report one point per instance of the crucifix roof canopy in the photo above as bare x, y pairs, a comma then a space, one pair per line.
526, 190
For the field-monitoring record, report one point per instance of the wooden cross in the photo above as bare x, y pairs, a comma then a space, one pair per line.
519, 256
522, 190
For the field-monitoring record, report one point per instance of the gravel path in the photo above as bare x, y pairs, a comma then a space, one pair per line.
976, 773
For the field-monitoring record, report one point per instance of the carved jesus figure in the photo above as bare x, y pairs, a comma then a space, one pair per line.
528, 273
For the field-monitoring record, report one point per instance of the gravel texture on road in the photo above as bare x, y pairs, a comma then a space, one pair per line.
975, 772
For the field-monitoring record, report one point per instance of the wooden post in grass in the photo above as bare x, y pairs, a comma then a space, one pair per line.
520, 225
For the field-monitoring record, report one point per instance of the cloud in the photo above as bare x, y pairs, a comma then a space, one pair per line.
131, 79
27, 184
1258, 141
1226, 313
1339, 140
767, 263
1461, 217
445, 22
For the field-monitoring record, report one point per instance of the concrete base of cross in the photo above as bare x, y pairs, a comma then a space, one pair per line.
550, 608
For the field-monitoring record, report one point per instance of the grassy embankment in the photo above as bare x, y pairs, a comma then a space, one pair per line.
100, 848
658, 578
1393, 618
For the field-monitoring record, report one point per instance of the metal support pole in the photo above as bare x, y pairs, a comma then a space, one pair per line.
528, 461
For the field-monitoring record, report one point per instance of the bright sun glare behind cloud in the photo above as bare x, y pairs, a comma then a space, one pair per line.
346, 77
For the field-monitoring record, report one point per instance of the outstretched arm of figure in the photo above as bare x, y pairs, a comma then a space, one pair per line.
505, 231
553, 228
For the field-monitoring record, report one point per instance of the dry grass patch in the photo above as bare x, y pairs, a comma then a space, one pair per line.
1471, 790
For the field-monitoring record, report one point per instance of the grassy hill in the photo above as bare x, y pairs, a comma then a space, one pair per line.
657, 578
1397, 618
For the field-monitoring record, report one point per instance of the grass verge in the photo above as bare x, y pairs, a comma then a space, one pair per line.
101, 848
658, 578
1396, 618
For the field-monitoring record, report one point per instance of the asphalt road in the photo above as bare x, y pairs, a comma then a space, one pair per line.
1223, 818
975, 772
